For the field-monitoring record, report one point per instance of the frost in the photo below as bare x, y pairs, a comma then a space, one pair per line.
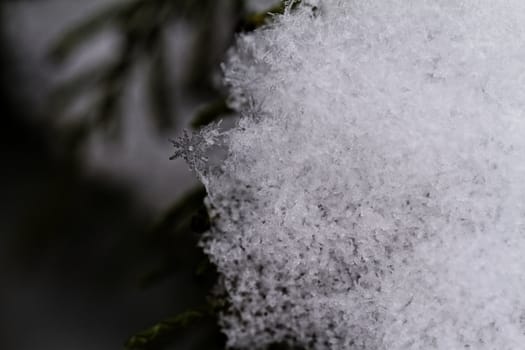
375, 199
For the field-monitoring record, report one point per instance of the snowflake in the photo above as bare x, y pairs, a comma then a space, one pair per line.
193, 147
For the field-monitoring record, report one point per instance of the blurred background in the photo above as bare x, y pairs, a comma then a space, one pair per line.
98, 228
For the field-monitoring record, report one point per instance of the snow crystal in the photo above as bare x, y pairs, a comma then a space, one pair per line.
375, 197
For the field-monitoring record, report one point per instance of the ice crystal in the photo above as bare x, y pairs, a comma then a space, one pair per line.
194, 148
376, 198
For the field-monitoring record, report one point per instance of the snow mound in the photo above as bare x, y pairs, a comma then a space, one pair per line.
373, 193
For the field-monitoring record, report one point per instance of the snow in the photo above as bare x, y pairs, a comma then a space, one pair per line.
372, 195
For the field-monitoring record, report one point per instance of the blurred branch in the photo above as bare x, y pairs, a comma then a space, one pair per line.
255, 20
174, 232
148, 337
169, 330
211, 113
159, 84
80, 84
80, 33
180, 213
141, 25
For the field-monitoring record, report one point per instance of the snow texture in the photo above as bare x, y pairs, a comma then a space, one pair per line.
373, 193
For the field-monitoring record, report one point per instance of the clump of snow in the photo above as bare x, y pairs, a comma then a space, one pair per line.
373, 194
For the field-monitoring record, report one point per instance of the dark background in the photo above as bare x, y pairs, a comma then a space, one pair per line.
98, 228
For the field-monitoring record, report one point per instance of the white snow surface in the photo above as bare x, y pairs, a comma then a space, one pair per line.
373, 193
